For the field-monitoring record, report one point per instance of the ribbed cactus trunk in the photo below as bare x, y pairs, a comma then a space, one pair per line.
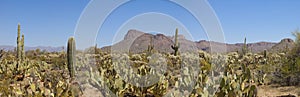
71, 56
22, 49
19, 43
176, 35
175, 47
19, 49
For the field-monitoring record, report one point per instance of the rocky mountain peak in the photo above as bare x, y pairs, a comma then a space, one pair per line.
132, 34
288, 40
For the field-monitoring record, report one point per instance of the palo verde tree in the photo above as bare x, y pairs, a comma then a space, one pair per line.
291, 69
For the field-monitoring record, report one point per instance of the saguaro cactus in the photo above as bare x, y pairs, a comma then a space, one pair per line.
71, 56
150, 47
19, 43
245, 48
265, 53
22, 49
95, 49
1, 54
176, 45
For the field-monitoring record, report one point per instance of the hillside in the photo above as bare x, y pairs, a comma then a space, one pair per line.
137, 41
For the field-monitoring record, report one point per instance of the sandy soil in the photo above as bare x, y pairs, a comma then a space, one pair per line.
274, 91
90, 91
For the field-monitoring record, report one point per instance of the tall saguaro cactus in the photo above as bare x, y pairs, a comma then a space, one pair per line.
22, 49
176, 45
245, 48
19, 43
95, 49
265, 53
71, 56
1, 53
150, 47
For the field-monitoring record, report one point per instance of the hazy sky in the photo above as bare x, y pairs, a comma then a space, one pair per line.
51, 22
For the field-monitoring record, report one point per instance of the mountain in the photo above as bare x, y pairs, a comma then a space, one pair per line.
137, 41
283, 45
42, 48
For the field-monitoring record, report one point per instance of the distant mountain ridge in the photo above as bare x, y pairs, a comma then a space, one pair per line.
137, 41
46, 48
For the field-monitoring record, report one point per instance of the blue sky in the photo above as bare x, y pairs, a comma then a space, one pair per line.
51, 22
259, 20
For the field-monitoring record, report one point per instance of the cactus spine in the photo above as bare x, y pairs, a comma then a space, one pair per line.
71, 56
176, 46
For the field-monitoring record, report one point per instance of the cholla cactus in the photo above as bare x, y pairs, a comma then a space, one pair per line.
176, 46
71, 56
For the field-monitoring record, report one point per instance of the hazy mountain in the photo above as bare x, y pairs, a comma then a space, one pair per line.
46, 48
137, 41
